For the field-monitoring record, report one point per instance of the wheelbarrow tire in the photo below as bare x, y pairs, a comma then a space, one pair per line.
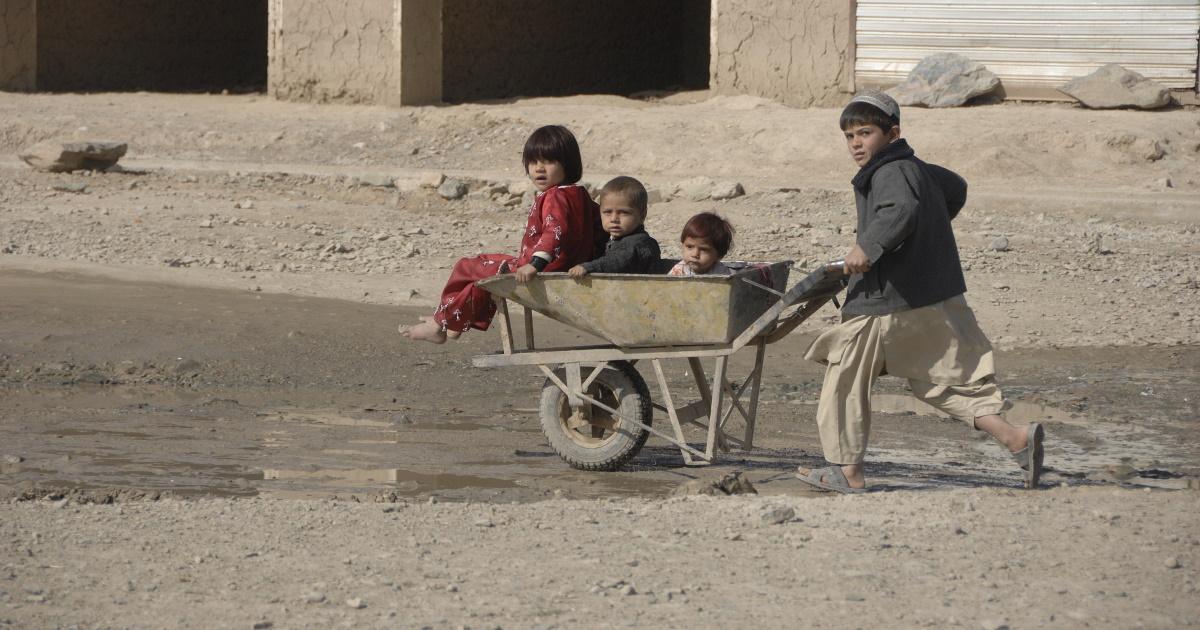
606, 447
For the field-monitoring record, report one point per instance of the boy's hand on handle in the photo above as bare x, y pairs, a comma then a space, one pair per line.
525, 273
857, 261
578, 272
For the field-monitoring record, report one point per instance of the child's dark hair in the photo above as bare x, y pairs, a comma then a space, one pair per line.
630, 188
554, 143
859, 113
712, 228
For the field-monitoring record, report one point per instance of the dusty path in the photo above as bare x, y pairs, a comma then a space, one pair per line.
1064, 558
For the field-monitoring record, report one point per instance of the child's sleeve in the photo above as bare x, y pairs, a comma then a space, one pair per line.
953, 186
896, 204
556, 222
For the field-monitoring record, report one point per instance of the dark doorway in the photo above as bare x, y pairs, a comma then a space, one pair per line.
175, 46
504, 48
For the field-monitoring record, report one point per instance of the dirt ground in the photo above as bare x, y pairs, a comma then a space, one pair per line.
206, 417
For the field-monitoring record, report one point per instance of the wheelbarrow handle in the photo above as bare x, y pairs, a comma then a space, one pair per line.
837, 265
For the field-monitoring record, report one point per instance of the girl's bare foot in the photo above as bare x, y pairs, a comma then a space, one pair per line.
427, 330
453, 334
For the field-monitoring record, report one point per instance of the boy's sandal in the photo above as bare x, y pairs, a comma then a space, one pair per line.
1031, 457
829, 478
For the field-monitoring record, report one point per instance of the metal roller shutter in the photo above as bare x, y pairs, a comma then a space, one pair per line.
1040, 44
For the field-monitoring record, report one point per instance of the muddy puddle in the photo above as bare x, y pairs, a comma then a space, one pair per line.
104, 393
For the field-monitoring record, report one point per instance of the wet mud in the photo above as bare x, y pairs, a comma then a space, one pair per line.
113, 391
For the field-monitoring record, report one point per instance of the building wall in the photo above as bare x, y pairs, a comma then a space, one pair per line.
505, 48
326, 50
18, 45
795, 51
150, 44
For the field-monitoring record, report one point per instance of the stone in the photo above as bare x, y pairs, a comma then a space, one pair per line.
432, 180
13, 459
356, 603
993, 624
452, 189
726, 190
71, 187
244, 205
377, 180
653, 196
206, 223
187, 366
56, 157
697, 188
628, 589
1173, 562
945, 80
732, 483
1000, 244
777, 515
1114, 86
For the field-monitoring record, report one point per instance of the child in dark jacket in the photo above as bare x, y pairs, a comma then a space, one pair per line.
905, 313
630, 249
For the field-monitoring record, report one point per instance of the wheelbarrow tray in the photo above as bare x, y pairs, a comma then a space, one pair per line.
632, 310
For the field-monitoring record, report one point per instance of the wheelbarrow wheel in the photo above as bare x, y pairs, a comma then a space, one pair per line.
591, 438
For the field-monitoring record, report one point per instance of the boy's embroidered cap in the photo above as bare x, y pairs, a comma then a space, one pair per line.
880, 100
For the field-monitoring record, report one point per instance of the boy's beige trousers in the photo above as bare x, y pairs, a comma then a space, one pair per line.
940, 350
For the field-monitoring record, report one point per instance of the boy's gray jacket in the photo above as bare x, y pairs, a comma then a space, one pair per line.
637, 252
904, 211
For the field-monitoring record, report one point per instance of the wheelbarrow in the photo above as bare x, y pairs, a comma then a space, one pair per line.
596, 409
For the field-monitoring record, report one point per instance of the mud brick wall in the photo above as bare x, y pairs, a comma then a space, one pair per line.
151, 44
505, 48
18, 45
324, 50
794, 51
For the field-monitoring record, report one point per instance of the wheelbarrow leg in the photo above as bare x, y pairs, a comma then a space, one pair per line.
706, 392
755, 385
717, 392
506, 336
669, 404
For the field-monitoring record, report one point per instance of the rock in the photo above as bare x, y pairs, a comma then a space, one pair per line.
452, 189
380, 236
519, 187
1173, 562
13, 459
732, 483
628, 589
58, 157
263, 625
999, 244
993, 624
945, 80
1166, 183
378, 180
777, 515
999, 286
73, 187
206, 223
726, 190
314, 598
653, 196
356, 603
417, 231
1113, 86
187, 367
432, 180
244, 205
697, 188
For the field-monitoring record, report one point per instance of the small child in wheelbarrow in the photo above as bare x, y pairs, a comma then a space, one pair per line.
905, 313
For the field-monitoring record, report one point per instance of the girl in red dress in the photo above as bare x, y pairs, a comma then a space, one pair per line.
560, 233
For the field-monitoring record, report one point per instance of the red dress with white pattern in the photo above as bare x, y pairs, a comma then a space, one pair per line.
562, 222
